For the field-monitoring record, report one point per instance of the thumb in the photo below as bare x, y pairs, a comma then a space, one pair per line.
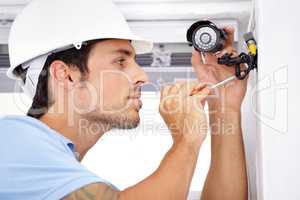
198, 65
230, 35
196, 58
202, 95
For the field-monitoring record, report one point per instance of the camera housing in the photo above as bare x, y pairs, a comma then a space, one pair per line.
205, 36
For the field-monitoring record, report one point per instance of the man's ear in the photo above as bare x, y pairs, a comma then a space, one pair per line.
62, 74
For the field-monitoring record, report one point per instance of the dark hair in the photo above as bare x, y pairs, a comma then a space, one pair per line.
73, 58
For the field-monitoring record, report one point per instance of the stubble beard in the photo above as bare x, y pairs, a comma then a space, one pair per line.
128, 119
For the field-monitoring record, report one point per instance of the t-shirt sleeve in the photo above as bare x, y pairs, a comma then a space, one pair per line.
69, 179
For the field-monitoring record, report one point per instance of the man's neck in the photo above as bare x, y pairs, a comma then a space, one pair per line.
77, 130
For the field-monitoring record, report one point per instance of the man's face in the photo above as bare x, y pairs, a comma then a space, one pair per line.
111, 94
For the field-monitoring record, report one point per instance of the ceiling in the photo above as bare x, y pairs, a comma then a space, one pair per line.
18, 2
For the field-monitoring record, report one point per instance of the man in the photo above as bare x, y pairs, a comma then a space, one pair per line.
100, 83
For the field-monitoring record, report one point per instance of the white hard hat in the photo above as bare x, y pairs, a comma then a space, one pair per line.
46, 26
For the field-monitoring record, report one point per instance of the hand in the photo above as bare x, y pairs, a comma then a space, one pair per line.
181, 107
231, 95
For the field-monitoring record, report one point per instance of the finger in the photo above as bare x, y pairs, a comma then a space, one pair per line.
173, 89
176, 87
228, 50
202, 95
230, 35
180, 84
244, 66
198, 88
196, 58
198, 65
164, 91
210, 59
187, 88
165, 99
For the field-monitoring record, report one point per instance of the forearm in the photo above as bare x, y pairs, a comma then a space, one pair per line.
227, 177
171, 180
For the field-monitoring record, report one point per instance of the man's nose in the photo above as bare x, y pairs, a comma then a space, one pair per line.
139, 75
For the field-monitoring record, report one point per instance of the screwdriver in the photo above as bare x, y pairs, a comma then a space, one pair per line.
232, 78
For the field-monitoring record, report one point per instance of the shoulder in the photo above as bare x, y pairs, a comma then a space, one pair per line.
20, 122
19, 125
28, 141
26, 133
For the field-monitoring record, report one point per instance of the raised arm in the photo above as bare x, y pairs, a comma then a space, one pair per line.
184, 116
227, 177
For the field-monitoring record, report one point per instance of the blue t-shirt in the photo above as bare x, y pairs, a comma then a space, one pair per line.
38, 163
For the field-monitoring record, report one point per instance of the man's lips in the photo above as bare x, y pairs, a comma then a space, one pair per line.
136, 101
135, 97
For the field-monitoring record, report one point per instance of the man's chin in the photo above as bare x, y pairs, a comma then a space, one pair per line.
129, 120
126, 125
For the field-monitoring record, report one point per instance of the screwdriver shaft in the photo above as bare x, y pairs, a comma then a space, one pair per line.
223, 82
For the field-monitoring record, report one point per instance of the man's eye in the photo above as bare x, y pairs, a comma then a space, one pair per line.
121, 61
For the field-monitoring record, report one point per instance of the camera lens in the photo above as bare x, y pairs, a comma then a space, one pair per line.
205, 36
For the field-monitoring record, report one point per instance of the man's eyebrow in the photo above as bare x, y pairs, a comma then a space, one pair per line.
126, 52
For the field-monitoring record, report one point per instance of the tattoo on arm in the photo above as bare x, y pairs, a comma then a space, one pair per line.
95, 191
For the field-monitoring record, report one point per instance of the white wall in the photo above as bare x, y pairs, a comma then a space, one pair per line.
279, 99
10, 2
